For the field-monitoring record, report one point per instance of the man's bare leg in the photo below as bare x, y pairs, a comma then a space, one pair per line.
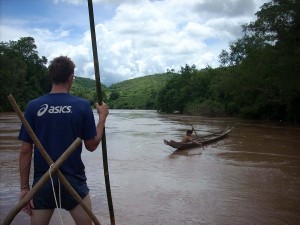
41, 216
79, 215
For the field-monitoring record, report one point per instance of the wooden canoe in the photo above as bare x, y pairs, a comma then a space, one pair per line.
200, 141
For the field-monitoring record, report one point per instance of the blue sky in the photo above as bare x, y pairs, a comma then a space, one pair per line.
134, 37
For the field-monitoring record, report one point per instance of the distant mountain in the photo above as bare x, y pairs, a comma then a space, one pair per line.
137, 93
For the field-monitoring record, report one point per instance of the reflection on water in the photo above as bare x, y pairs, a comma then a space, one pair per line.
250, 177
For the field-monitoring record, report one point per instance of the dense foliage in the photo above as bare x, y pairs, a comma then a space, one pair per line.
22, 72
259, 75
194, 92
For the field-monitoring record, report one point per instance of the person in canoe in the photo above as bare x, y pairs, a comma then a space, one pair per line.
187, 138
187, 141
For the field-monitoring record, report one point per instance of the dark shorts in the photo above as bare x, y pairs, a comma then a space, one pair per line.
44, 198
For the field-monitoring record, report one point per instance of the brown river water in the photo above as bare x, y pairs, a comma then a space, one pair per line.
251, 177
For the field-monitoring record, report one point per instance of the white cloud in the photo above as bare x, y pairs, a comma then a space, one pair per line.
9, 33
138, 38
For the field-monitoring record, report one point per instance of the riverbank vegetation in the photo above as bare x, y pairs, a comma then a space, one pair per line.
258, 77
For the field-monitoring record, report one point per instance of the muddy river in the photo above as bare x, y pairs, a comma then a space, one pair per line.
251, 177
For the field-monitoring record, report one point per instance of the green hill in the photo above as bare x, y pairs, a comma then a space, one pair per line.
86, 88
137, 93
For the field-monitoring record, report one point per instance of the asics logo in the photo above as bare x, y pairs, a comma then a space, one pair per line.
42, 110
53, 109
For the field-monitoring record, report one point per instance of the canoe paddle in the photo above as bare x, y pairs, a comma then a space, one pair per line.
196, 135
195, 131
100, 100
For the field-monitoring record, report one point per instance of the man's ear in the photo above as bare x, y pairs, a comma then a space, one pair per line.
71, 77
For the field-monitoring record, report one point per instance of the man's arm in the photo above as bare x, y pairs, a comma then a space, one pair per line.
102, 111
24, 168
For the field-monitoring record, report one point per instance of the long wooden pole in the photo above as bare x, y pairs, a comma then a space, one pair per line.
50, 162
100, 100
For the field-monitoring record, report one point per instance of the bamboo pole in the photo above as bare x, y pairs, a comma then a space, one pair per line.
50, 162
14, 211
100, 100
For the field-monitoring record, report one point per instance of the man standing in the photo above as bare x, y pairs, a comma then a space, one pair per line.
57, 119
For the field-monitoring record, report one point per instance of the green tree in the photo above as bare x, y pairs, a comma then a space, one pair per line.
12, 80
267, 59
175, 95
23, 73
114, 96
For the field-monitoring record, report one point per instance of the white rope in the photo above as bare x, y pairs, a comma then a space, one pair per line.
58, 208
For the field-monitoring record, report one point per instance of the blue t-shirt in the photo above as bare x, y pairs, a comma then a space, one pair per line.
57, 120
